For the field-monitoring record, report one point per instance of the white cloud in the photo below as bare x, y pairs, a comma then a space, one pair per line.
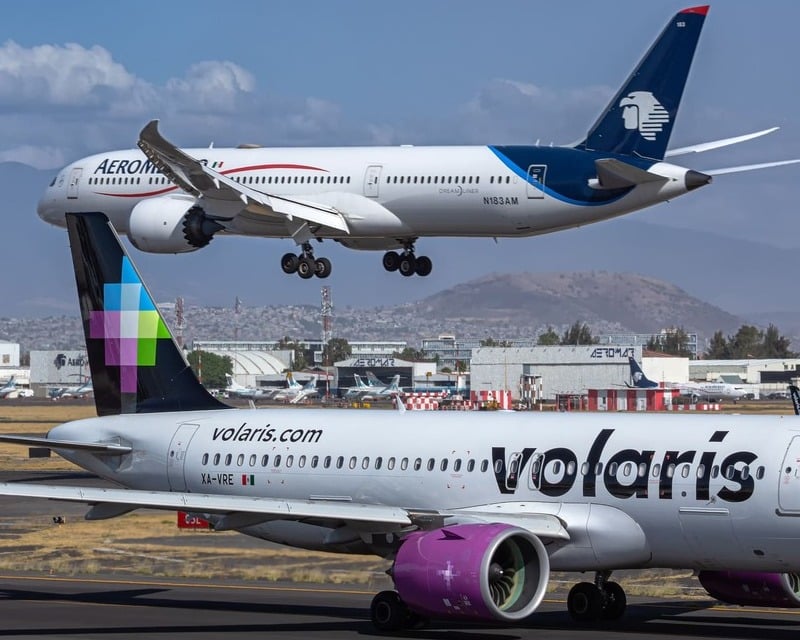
59, 75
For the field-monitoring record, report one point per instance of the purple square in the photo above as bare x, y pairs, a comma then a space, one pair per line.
129, 350
127, 379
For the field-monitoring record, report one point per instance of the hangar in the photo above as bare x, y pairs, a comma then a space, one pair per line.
561, 370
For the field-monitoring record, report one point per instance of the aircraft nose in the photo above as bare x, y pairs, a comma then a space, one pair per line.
47, 208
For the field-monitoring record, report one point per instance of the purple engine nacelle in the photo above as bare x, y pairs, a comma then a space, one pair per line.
752, 588
473, 571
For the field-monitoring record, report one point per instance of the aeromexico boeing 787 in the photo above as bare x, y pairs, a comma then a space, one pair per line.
170, 200
472, 509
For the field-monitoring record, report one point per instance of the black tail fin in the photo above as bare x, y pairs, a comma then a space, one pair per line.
638, 121
638, 379
794, 392
136, 365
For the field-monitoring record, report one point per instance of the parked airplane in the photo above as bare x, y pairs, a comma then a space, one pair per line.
696, 390
170, 200
76, 391
9, 387
638, 379
381, 391
296, 392
473, 519
236, 390
358, 389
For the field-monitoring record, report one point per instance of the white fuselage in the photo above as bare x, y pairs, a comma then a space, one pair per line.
384, 193
633, 490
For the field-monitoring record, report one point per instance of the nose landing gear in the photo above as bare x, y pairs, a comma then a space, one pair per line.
600, 600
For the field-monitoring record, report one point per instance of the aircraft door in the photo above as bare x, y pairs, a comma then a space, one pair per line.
789, 489
536, 181
372, 181
176, 456
74, 181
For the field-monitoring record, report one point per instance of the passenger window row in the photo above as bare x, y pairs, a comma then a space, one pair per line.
341, 462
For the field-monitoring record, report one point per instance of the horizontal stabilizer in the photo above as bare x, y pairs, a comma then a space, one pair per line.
749, 167
66, 445
717, 144
615, 174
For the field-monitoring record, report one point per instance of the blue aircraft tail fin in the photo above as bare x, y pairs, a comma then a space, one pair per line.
638, 379
136, 365
638, 121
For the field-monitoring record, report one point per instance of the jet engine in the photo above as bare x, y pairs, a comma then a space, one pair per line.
752, 588
472, 571
170, 224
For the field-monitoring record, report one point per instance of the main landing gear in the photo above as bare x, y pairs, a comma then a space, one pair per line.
407, 263
587, 602
305, 265
601, 600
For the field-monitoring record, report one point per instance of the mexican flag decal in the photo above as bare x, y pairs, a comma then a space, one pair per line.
248, 479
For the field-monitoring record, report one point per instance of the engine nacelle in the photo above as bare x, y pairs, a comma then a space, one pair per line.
170, 224
472, 571
752, 588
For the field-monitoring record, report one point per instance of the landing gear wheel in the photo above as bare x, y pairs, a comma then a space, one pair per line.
289, 263
306, 267
408, 265
391, 260
614, 601
585, 602
322, 267
424, 266
388, 612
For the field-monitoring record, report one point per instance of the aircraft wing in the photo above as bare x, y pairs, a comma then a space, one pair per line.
195, 177
241, 510
716, 144
749, 167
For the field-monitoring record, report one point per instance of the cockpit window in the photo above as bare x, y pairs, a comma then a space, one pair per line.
53, 183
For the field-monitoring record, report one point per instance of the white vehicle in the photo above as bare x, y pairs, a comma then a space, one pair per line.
171, 200
473, 511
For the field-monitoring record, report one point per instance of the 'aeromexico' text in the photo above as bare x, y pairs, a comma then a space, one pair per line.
266, 433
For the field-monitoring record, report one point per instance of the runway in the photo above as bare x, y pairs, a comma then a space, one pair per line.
52, 607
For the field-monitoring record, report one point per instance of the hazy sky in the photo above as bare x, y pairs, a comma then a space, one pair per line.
83, 77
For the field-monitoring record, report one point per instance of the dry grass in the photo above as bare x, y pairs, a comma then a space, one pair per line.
37, 420
150, 544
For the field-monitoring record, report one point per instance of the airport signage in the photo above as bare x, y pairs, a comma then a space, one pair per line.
613, 353
189, 521
373, 362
